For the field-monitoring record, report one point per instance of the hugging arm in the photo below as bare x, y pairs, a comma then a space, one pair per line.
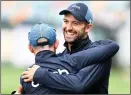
86, 76
96, 55
75, 83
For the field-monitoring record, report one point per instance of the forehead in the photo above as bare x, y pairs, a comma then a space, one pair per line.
70, 17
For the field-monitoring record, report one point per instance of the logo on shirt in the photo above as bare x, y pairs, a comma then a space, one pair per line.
59, 71
34, 85
63, 71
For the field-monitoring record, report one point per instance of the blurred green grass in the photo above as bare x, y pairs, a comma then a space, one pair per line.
119, 81
10, 77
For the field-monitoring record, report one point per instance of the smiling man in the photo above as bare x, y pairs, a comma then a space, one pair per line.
77, 23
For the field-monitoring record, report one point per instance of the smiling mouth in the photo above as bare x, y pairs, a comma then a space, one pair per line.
70, 33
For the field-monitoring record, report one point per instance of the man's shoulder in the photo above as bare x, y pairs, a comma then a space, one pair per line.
62, 53
100, 43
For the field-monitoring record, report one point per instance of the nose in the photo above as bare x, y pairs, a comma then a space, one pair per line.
69, 27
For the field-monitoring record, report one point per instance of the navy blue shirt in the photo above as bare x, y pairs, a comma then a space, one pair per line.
64, 74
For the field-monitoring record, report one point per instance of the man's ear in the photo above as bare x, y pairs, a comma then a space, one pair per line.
56, 44
30, 48
88, 28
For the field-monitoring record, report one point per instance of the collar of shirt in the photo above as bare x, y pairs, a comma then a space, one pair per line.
43, 55
78, 46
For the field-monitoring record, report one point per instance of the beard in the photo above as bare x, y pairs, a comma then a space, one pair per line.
74, 36
75, 39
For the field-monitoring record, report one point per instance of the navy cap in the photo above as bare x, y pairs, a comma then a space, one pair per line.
80, 11
41, 31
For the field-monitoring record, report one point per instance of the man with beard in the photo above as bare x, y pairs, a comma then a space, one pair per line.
77, 23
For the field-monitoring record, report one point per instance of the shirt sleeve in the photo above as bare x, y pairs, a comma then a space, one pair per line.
94, 57
23, 85
86, 77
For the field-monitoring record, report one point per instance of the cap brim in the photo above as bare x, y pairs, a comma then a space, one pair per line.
64, 12
77, 16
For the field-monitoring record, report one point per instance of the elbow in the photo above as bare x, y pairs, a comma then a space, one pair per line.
116, 47
113, 45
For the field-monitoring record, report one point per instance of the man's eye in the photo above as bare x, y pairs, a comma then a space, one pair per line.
65, 21
76, 23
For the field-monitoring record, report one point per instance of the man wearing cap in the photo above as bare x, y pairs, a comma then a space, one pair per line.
77, 23
43, 43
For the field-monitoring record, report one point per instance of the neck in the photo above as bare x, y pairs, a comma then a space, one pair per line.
69, 46
42, 49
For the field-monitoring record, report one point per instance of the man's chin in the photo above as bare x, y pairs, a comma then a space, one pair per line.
69, 40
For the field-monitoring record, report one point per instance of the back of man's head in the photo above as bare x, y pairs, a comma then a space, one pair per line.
41, 35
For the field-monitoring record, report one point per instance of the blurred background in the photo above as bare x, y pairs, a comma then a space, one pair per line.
111, 21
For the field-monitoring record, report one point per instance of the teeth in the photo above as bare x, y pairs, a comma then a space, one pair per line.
70, 33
